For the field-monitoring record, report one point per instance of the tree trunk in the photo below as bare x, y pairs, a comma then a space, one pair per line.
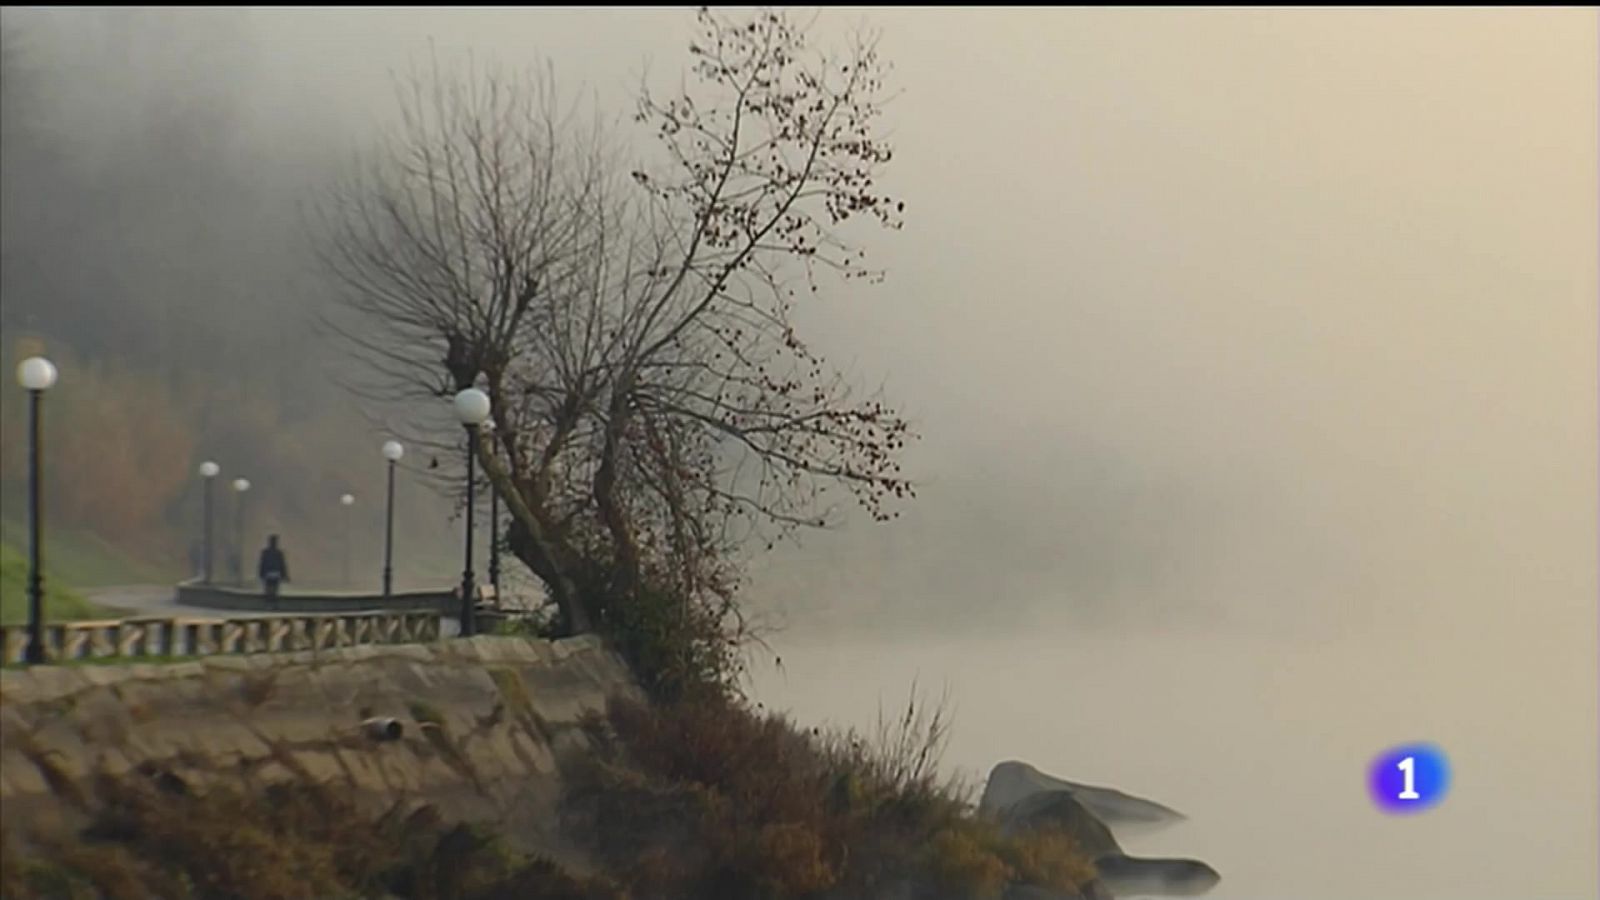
531, 540
539, 558
612, 514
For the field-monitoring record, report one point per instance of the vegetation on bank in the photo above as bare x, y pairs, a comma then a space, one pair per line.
153, 837
684, 800
714, 798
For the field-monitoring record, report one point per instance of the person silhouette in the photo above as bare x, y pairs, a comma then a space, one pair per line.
273, 569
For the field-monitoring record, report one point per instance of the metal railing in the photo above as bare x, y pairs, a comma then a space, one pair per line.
192, 636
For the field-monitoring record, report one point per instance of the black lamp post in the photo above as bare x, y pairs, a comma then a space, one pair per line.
240, 485
392, 451
347, 501
208, 471
472, 408
36, 375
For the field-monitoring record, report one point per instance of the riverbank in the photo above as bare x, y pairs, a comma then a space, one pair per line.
476, 767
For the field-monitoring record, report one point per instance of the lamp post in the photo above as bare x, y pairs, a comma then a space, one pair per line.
347, 501
208, 471
494, 525
36, 375
392, 451
240, 485
472, 408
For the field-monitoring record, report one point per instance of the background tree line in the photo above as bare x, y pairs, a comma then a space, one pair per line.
152, 245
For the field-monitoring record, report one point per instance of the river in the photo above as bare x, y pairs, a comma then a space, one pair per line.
1263, 741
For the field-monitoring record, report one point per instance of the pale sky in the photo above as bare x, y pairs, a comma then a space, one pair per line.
1313, 289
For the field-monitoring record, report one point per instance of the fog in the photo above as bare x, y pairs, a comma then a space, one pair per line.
1253, 355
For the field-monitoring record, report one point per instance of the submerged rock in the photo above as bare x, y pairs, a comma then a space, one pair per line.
1093, 891
1021, 798
1012, 781
1132, 876
1061, 810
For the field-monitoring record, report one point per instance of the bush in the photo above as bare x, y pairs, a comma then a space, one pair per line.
540, 625
679, 648
1049, 857
963, 861
716, 798
119, 446
157, 838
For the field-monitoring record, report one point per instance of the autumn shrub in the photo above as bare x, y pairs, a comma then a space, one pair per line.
1048, 857
719, 798
678, 647
285, 841
718, 743
119, 442
122, 440
789, 857
895, 769
963, 861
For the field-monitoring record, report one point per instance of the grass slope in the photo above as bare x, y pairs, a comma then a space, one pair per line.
61, 603
88, 560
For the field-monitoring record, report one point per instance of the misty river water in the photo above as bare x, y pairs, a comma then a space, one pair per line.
1263, 742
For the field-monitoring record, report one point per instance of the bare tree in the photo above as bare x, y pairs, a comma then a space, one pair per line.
656, 412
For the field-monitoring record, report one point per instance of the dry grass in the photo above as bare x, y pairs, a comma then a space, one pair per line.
286, 842
713, 798
681, 801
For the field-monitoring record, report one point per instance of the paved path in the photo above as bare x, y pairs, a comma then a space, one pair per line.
160, 600
138, 599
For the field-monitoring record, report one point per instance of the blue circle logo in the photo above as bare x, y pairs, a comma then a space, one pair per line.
1409, 779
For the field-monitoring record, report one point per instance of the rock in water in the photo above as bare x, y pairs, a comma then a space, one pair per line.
1093, 891
1059, 809
1021, 798
1013, 781
1131, 876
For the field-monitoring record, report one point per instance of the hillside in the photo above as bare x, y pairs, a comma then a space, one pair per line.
61, 602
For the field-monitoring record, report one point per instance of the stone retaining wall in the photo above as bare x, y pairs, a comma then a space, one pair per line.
486, 725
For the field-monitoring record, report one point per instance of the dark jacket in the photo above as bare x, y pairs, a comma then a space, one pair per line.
273, 566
